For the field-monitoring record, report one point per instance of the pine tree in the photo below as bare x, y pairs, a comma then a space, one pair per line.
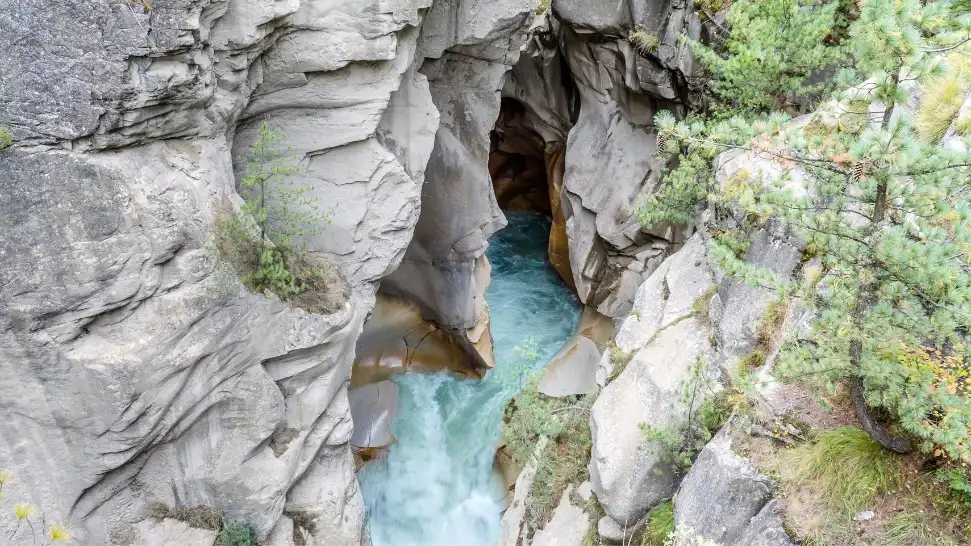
888, 216
283, 212
769, 53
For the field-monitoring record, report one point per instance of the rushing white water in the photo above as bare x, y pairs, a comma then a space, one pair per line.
436, 485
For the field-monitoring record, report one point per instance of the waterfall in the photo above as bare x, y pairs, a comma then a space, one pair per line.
436, 486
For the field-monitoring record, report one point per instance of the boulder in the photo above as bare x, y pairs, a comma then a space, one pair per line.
628, 476
721, 493
567, 527
666, 338
611, 531
766, 528
572, 370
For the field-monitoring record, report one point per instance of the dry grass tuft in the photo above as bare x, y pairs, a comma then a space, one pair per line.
200, 517
643, 41
939, 107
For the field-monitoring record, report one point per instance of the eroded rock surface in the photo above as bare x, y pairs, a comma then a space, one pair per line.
137, 370
591, 96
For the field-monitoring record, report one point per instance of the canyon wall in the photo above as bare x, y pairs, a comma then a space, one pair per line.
591, 95
138, 376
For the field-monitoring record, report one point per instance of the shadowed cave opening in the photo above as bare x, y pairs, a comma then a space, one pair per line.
517, 162
527, 176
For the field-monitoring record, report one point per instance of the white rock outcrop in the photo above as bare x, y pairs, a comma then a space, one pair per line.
666, 339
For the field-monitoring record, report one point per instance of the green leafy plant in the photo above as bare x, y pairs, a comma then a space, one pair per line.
236, 534
958, 481
6, 139
619, 359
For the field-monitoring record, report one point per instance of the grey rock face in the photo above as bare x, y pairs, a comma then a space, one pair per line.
629, 476
604, 118
720, 494
169, 531
148, 375
766, 529
567, 527
144, 372
473, 45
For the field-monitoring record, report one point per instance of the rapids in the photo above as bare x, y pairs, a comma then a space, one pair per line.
436, 486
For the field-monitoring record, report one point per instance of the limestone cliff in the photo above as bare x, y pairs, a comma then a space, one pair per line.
136, 374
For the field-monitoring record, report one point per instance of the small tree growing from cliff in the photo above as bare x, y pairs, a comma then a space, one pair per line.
888, 217
283, 212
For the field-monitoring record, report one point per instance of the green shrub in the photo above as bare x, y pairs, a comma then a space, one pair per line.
565, 422
6, 139
706, 410
848, 466
619, 359
264, 246
236, 534
660, 525
957, 480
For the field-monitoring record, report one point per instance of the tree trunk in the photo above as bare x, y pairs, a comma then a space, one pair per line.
867, 420
873, 426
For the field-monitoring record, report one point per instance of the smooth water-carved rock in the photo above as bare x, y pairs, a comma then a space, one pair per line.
195, 391
590, 93
473, 46
373, 408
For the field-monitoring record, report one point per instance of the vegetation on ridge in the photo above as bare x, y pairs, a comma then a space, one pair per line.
889, 216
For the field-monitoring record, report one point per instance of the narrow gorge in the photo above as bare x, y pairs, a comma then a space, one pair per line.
130, 121
454, 186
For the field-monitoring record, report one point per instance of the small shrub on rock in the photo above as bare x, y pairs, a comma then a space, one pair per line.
265, 245
236, 534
